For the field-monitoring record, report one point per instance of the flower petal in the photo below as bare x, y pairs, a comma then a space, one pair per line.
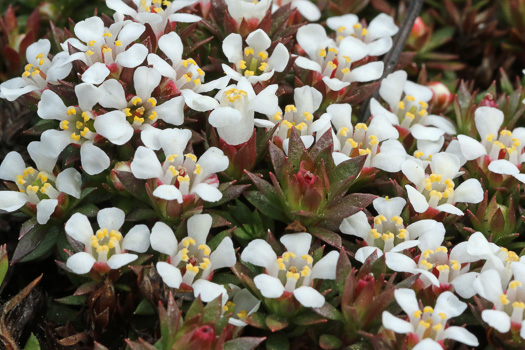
223, 255
309, 297
325, 268
12, 166
269, 286
111, 218
114, 127
259, 253
396, 324
461, 335
207, 192
298, 243
168, 192
96, 74
79, 228
170, 275
93, 159
133, 56
163, 239
199, 226
137, 239
44, 209
469, 191
118, 260
497, 319
80, 263
11, 200
145, 164
209, 291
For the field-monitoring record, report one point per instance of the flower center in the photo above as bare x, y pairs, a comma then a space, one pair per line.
439, 258
80, 125
334, 65
427, 324
357, 31
138, 112
503, 147
438, 190
409, 111
359, 143
252, 63
192, 260
35, 75
105, 243
294, 271
387, 233
36, 185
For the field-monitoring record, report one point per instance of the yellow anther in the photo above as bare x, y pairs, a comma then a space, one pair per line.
374, 233
191, 156
26, 74
401, 105
506, 133
449, 183
418, 313
441, 249
331, 64
263, 55
293, 275
200, 72
242, 64
102, 248
248, 51
410, 98
423, 104
185, 178
152, 101
437, 194
197, 81
20, 180
427, 253
115, 234
190, 267
106, 50
424, 324
136, 100
277, 116
186, 242
118, 42
322, 53
290, 108
92, 42
301, 126
503, 299
379, 219
515, 141
435, 177
107, 34
41, 62
249, 73
344, 131
205, 249
36, 72
345, 70
75, 137
443, 268
184, 255
288, 255
138, 120
386, 236
423, 112
426, 264
44, 188
402, 234
352, 143
428, 309
410, 115
515, 284
172, 157
341, 29
373, 140
490, 137
397, 220
242, 315
437, 327
84, 132
364, 32
71, 110
85, 116
153, 115
448, 193
357, 26
333, 50
64, 124
203, 265
360, 126
42, 176
305, 271
518, 304
308, 258
418, 154
280, 264
28, 66
192, 61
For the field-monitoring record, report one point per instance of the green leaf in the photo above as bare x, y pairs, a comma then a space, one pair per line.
277, 341
265, 206
144, 308
329, 311
4, 263
276, 323
72, 300
32, 343
329, 342
343, 175
244, 343
29, 242
309, 319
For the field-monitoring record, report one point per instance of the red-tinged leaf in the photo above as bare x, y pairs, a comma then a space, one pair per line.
330, 342
257, 320
86, 288
327, 236
362, 93
325, 142
276, 323
11, 57
348, 169
27, 226
133, 185
10, 22
29, 242
341, 208
329, 311
230, 192
244, 343
343, 270
278, 159
33, 23
140, 345
309, 319
296, 148
265, 187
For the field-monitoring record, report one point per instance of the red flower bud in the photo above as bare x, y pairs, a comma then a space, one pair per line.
442, 97
419, 29
488, 101
203, 338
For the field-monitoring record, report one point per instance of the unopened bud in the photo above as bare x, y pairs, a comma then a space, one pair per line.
441, 98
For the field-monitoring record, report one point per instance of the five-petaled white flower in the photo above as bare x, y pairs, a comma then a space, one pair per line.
430, 325
334, 62
251, 11
107, 248
191, 259
180, 174
254, 62
39, 71
293, 272
38, 187
437, 189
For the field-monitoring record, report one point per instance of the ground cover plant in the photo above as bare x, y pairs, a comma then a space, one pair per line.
230, 174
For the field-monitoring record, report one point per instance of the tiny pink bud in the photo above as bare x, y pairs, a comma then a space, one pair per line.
203, 337
488, 101
442, 97
419, 29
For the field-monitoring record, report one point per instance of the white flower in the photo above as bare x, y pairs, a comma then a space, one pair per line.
153, 12
293, 271
306, 8
437, 189
350, 142
299, 115
248, 10
430, 324
180, 174
410, 112
234, 117
253, 62
334, 62
388, 235
39, 71
77, 127
110, 46
137, 112
242, 305
191, 259
106, 246
183, 75
377, 35
509, 302
503, 147
38, 187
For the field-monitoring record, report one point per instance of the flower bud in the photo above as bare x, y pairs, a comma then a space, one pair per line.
120, 166
419, 29
441, 98
488, 101
203, 338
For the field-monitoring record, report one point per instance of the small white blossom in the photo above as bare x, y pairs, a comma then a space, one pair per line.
254, 62
191, 259
243, 304
430, 324
107, 246
306, 8
38, 187
437, 189
251, 11
377, 36
293, 272
180, 174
